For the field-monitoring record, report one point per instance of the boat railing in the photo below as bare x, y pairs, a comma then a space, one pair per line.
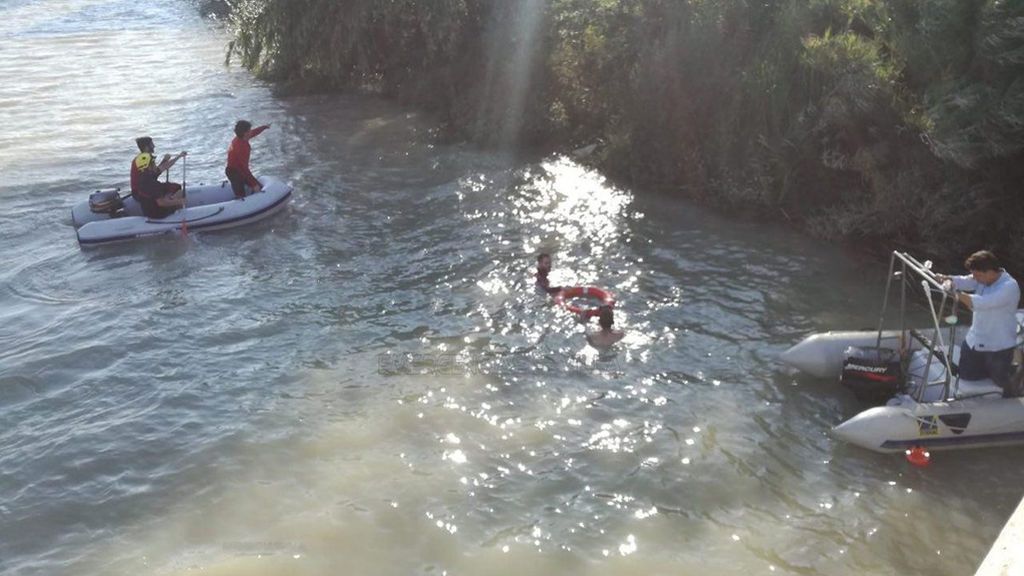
934, 352
938, 350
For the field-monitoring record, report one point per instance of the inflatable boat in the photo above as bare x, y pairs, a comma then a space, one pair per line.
974, 415
109, 217
913, 371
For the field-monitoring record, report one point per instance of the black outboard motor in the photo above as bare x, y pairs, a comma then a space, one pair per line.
874, 374
105, 202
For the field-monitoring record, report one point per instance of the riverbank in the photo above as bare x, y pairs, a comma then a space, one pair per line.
1004, 559
885, 125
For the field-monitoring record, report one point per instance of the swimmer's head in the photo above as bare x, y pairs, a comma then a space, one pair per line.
544, 262
606, 317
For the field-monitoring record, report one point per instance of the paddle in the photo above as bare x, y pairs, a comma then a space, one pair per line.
184, 195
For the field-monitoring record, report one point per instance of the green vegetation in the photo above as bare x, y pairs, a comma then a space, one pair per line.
887, 123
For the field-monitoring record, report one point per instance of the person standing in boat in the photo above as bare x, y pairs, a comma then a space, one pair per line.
987, 351
607, 335
237, 169
158, 199
543, 269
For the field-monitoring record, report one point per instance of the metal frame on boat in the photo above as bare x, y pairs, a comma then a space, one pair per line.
932, 407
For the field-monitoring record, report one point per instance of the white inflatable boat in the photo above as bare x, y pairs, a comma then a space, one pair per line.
929, 405
975, 414
109, 217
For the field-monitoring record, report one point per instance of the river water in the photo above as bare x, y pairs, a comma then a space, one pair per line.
367, 382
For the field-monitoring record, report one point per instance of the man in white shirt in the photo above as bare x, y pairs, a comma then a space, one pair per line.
987, 350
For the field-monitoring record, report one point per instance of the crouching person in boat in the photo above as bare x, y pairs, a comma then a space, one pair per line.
239, 150
158, 199
987, 351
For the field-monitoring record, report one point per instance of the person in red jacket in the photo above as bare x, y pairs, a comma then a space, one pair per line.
237, 170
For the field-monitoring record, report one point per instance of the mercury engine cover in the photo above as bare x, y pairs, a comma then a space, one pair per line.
105, 202
873, 374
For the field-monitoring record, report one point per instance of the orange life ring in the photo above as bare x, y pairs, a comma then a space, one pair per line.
594, 292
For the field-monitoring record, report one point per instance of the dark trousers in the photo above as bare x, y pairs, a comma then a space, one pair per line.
237, 181
998, 365
148, 203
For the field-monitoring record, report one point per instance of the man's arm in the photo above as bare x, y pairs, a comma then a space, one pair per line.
959, 282
169, 161
256, 131
966, 300
1005, 295
545, 285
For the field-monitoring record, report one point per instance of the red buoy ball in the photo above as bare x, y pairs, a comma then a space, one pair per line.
918, 456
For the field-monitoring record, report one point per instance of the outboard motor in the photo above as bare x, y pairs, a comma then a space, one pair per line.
873, 374
105, 202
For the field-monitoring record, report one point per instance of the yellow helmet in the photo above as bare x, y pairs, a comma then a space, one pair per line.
143, 161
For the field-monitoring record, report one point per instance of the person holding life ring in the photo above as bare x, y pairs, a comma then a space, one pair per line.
543, 269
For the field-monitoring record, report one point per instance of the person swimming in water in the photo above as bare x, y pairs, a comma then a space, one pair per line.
606, 336
543, 269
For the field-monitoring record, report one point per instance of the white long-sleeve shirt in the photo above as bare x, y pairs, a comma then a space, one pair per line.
994, 326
